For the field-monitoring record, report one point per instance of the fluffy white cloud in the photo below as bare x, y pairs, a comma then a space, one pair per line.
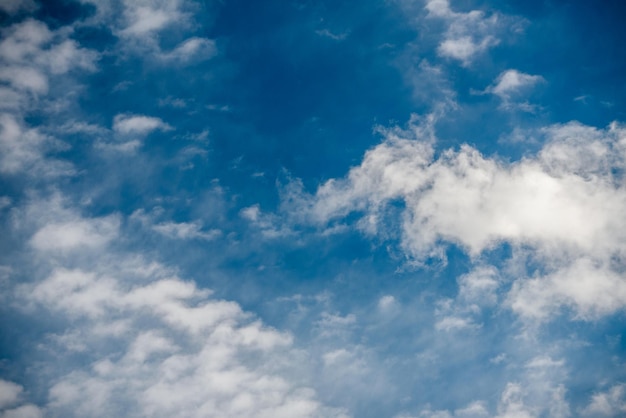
11, 404
591, 289
611, 403
145, 17
512, 87
140, 125
468, 34
198, 357
157, 345
512, 82
513, 403
31, 55
9, 393
23, 150
140, 25
15, 6
562, 205
76, 234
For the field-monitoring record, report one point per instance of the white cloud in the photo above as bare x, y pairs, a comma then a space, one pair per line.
563, 204
199, 357
269, 225
591, 289
156, 345
192, 49
31, 53
477, 290
468, 34
512, 404
126, 124
185, 230
479, 286
143, 18
32, 58
453, 323
141, 24
464, 48
515, 401
11, 403
174, 230
25, 78
15, 6
9, 393
387, 303
24, 150
76, 234
611, 403
24, 40
474, 410
512, 87
512, 82
429, 82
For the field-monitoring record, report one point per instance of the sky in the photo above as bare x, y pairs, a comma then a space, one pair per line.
297, 208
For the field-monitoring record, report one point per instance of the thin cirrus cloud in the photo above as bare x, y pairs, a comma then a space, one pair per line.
191, 50
175, 230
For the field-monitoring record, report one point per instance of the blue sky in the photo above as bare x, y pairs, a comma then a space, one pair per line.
403, 208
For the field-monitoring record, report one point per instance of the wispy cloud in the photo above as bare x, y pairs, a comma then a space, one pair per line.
470, 34
126, 124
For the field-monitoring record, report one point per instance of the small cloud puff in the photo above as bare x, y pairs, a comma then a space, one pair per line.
11, 404
511, 83
126, 124
468, 34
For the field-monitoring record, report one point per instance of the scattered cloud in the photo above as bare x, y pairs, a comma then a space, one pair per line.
76, 234
16, 6
127, 124
157, 345
144, 19
562, 204
325, 33
610, 403
23, 150
192, 49
12, 404
468, 35
543, 236
512, 82
174, 230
